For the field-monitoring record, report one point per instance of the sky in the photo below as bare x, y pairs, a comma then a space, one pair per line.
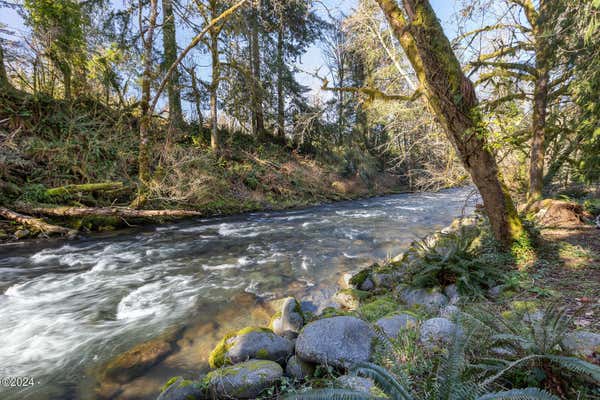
311, 61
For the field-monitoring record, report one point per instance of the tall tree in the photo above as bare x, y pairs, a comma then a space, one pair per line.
58, 26
170, 55
452, 97
258, 116
4, 83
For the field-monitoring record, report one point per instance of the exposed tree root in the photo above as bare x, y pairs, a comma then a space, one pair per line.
36, 223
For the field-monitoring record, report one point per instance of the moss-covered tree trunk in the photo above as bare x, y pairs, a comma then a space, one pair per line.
170, 55
257, 100
280, 79
215, 140
452, 97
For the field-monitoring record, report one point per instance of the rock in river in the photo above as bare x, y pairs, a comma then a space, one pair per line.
251, 343
245, 380
180, 389
338, 341
289, 319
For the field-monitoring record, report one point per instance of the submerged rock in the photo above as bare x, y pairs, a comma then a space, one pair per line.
251, 343
394, 324
583, 344
133, 363
431, 299
289, 319
245, 380
356, 383
299, 369
338, 341
180, 389
438, 332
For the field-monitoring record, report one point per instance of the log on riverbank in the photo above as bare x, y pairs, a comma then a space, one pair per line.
121, 212
36, 224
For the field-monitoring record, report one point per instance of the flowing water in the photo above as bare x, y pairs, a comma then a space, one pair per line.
67, 309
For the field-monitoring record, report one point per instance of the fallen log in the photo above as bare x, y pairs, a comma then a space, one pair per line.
121, 212
84, 188
37, 224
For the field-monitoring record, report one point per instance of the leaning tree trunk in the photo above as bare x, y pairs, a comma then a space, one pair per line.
170, 55
452, 97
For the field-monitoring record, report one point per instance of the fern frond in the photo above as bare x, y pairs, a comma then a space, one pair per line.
520, 394
384, 379
577, 365
330, 394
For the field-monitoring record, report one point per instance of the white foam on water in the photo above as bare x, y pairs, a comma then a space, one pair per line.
241, 262
157, 299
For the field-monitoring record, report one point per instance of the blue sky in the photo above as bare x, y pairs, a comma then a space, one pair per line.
311, 61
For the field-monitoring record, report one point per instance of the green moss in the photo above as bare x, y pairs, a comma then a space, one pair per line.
360, 277
330, 312
169, 383
218, 357
262, 353
378, 308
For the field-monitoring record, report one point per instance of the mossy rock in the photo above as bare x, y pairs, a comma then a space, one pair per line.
250, 343
351, 298
243, 381
178, 388
358, 279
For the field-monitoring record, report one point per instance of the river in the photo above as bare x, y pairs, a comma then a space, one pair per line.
67, 308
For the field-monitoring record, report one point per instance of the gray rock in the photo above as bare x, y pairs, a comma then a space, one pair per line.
356, 383
382, 280
438, 332
367, 285
21, 234
183, 390
449, 311
582, 343
299, 369
349, 298
263, 345
430, 299
291, 318
451, 291
393, 325
344, 281
338, 341
243, 381
495, 292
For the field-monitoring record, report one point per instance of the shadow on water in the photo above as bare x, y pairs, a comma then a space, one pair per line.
69, 308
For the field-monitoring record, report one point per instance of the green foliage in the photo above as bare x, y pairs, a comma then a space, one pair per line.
456, 257
530, 338
449, 385
380, 307
592, 206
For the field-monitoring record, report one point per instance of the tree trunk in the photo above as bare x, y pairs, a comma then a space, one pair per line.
540, 103
66, 72
4, 83
215, 140
170, 56
280, 79
536, 161
452, 97
197, 97
123, 212
257, 101
145, 120
35, 223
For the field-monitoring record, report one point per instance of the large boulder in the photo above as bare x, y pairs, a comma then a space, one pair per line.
431, 299
251, 343
438, 333
338, 341
299, 369
245, 380
290, 319
583, 344
394, 324
181, 389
